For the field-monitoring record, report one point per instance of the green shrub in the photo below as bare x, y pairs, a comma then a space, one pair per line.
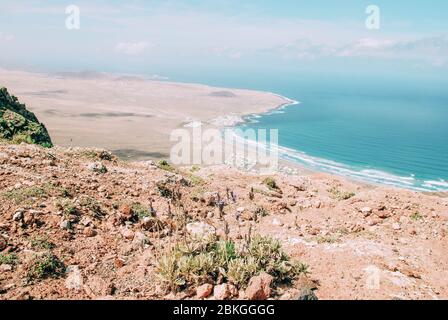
416, 216
195, 263
25, 195
140, 211
164, 165
66, 206
271, 183
11, 259
90, 203
340, 195
45, 266
42, 243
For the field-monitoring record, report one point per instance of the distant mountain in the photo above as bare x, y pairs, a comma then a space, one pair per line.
18, 125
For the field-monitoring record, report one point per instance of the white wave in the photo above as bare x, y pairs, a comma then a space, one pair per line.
227, 121
333, 167
440, 185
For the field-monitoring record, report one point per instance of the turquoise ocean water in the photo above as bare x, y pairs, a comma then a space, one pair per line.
387, 131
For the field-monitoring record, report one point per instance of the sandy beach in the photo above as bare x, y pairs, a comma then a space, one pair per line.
129, 115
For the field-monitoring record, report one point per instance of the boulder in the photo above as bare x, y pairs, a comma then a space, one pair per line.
74, 280
201, 230
366, 211
204, 291
221, 292
259, 287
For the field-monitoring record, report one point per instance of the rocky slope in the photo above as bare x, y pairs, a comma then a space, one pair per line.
17, 124
80, 224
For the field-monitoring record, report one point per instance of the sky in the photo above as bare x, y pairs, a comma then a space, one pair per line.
161, 37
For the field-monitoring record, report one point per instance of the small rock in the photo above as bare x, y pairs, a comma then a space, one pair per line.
95, 287
204, 291
259, 287
126, 213
89, 232
119, 263
140, 240
201, 229
221, 292
246, 216
3, 243
28, 219
410, 272
277, 222
127, 234
97, 167
152, 224
233, 290
366, 211
373, 222
74, 279
17, 216
383, 214
240, 210
65, 224
396, 226
86, 221
6, 267
307, 295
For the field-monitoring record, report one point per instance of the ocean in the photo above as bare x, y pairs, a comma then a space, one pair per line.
382, 130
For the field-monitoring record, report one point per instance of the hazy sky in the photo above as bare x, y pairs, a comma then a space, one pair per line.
159, 36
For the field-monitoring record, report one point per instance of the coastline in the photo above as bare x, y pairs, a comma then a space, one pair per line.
294, 161
131, 117
93, 116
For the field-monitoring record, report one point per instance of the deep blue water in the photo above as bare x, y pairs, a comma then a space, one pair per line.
391, 131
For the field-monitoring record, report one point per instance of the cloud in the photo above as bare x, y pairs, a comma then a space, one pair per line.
132, 48
6, 37
432, 50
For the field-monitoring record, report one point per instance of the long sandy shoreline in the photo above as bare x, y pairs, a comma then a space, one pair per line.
129, 115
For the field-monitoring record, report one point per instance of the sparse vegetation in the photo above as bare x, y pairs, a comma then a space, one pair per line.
11, 259
18, 125
45, 266
140, 210
416, 216
261, 212
195, 180
42, 243
93, 154
25, 195
195, 263
337, 194
164, 165
66, 206
332, 238
91, 204
271, 183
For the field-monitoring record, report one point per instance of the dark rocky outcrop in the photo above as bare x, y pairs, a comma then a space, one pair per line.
18, 125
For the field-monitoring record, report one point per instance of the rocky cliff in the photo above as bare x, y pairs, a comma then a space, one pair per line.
18, 125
